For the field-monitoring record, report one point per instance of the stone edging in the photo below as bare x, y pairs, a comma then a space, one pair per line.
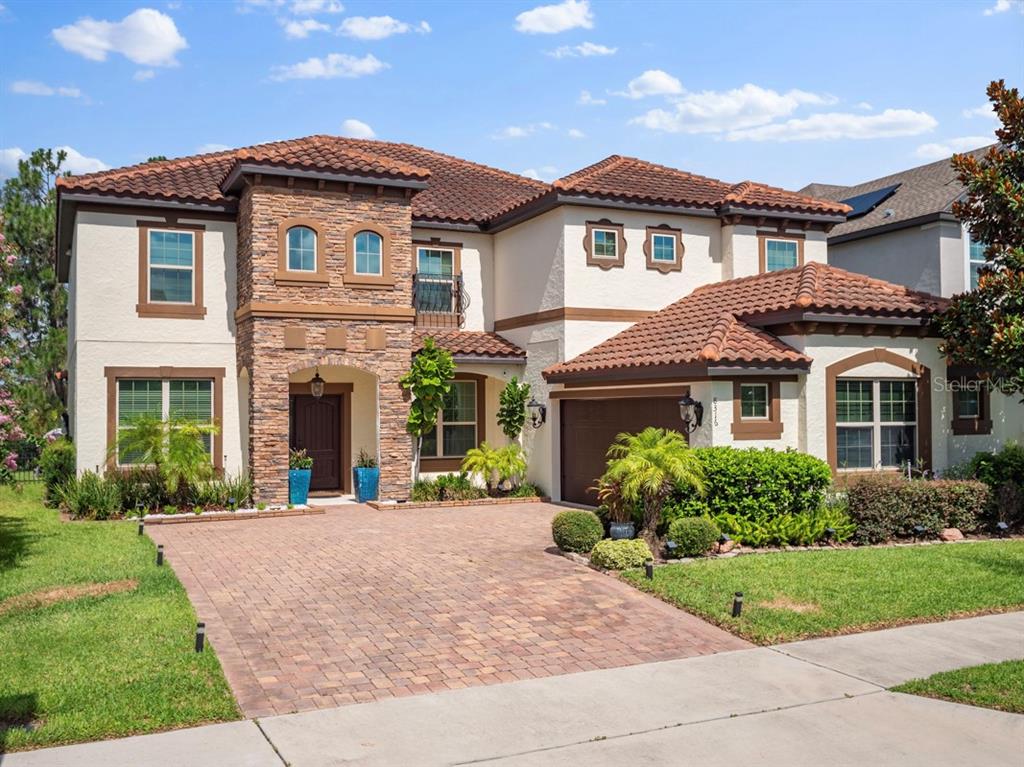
396, 505
227, 516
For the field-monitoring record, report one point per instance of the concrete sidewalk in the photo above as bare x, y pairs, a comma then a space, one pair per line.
815, 702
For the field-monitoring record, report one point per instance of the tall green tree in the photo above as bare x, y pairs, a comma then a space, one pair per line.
985, 327
429, 381
39, 324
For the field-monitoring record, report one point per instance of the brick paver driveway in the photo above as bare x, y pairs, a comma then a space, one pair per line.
358, 605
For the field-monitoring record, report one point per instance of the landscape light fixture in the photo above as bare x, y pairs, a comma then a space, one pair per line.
316, 386
830, 533
1002, 529
538, 413
142, 527
200, 636
160, 555
737, 604
649, 569
691, 412
670, 547
919, 531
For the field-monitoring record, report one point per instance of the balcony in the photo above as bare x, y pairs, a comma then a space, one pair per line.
440, 302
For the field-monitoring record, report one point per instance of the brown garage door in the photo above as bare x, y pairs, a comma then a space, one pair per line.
589, 426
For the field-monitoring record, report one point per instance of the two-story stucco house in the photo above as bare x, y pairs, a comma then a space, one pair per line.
218, 287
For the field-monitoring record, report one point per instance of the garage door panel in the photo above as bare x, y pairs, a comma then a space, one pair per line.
589, 426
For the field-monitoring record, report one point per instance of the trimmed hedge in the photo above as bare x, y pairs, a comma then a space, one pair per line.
886, 507
576, 530
693, 535
620, 555
754, 484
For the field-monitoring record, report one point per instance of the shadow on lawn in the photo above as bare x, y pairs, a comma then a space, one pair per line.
997, 563
17, 712
15, 539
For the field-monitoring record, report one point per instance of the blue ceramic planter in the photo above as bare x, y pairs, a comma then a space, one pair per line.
298, 485
367, 483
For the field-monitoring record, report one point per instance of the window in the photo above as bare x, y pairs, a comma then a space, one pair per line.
171, 267
301, 249
456, 423
176, 399
968, 404
971, 405
754, 401
369, 249
664, 248
975, 260
435, 280
604, 244
876, 423
781, 254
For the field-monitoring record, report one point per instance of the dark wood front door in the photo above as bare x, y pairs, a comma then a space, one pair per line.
316, 428
588, 428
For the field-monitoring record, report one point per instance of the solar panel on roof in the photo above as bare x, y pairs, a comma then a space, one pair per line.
863, 204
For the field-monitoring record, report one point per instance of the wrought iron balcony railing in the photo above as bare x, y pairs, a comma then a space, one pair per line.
440, 302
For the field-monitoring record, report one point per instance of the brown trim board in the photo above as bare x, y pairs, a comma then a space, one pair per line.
760, 428
572, 313
194, 311
380, 313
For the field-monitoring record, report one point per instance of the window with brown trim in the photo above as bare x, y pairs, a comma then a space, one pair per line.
779, 251
972, 408
605, 244
301, 258
756, 409
171, 270
437, 267
460, 425
368, 249
663, 248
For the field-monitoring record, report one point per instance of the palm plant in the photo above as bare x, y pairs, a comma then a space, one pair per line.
175, 448
648, 466
482, 462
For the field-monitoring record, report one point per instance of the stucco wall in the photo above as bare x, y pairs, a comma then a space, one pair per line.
528, 266
740, 250
922, 258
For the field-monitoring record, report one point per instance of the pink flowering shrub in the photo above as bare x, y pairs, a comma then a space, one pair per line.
10, 296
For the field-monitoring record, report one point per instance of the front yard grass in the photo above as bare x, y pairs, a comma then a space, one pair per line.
994, 685
80, 660
796, 595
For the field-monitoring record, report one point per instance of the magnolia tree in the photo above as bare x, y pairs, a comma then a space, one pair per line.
10, 298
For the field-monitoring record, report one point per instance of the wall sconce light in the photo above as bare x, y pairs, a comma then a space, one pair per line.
538, 413
692, 413
316, 386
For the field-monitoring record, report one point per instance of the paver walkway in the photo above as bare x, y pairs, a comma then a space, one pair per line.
360, 605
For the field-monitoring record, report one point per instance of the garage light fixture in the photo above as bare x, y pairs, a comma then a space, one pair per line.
538, 413
691, 412
316, 386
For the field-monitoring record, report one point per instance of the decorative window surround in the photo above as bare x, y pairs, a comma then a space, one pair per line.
286, 276
357, 280
664, 266
146, 307
768, 426
605, 262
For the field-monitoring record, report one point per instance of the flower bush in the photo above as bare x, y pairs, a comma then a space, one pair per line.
576, 530
11, 432
620, 555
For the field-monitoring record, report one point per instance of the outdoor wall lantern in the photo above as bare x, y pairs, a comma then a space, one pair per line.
692, 413
538, 413
316, 386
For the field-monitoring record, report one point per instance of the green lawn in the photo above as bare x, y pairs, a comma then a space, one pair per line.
95, 666
994, 685
803, 594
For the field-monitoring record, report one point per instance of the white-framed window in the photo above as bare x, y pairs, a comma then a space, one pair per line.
663, 248
876, 423
456, 423
780, 254
435, 279
604, 243
754, 400
163, 399
171, 267
369, 248
301, 249
975, 259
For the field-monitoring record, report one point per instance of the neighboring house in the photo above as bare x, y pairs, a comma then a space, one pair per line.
901, 228
218, 287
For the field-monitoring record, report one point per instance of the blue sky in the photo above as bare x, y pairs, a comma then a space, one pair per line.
784, 93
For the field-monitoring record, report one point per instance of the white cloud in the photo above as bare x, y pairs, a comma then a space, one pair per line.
356, 129
424, 28
9, 160
983, 110
653, 82
866, 106
36, 88
543, 173
717, 111
207, 148
586, 99
949, 147
313, 7
575, 133
829, 126
331, 66
1002, 6
522, 131
144, 74
145, 36
551, 19
377, 27
583, 49
76, 162
300, 29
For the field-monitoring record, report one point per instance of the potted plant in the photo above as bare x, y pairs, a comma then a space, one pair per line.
366, 477
300, 471
618, 511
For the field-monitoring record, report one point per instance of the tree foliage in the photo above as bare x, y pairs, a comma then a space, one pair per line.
512, 408
429, 381
984, 328
10, 300
38, 323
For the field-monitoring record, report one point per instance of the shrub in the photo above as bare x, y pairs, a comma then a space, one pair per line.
693, 535
423, 490
527, 490
1003, 472
446, 487
753, 484
885, 507
576, 530
138, 487
620, 555
89, 497
57, 465
495, 467
218, 492
790, 529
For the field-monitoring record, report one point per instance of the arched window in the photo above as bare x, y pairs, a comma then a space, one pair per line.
369, 249
301, 249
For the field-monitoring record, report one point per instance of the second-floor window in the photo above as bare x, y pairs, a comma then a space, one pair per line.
780, 254
876, 423
171, 267
301, 249
435, 281
604, 243
663, 248
975, 260
368, 253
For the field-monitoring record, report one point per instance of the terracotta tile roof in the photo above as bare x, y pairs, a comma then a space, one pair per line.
717, 323
470, 343
631, 179
329, 153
